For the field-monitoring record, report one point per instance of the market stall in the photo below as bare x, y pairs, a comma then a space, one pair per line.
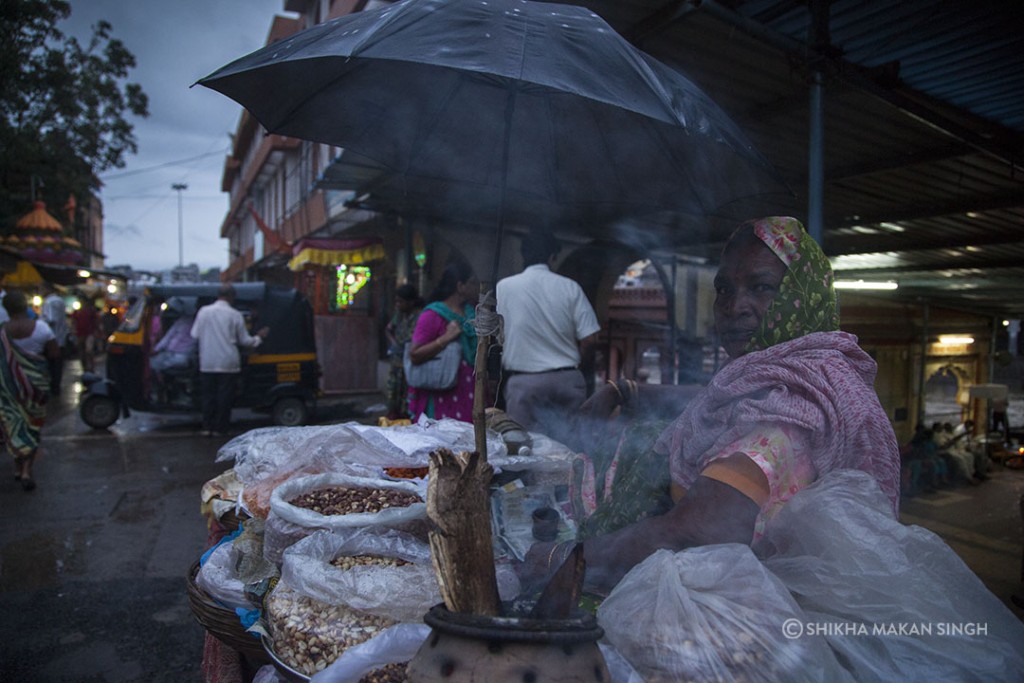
320, 538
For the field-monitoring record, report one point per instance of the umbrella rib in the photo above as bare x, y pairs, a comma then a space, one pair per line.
433, 124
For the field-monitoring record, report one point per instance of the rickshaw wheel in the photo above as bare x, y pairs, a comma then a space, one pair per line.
290, 412
99, 412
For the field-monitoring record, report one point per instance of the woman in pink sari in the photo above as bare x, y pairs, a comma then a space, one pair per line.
447, 318
795, 402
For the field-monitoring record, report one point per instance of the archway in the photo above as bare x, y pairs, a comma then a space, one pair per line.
945, 395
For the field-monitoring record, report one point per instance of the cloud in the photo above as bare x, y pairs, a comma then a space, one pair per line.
175, 44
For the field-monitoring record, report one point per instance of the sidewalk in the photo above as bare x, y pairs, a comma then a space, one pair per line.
982, 524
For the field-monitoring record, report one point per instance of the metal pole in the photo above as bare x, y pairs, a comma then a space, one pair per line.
921, 370
178, 187
816, 159
816, 144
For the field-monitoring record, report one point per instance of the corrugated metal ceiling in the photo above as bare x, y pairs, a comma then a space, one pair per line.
924, 129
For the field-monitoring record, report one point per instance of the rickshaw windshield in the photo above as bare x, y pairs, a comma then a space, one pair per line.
133, 318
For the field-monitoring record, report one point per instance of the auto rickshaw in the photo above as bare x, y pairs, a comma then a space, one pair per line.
279, 377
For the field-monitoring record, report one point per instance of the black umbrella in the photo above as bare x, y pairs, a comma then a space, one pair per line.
493, 111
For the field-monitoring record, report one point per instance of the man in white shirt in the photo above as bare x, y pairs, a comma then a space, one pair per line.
220, 330
550, 329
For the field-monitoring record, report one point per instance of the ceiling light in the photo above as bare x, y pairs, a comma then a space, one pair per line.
893, 227
955, 339
84, 273
861, 284
972, 214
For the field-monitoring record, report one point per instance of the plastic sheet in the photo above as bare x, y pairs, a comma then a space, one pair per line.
711, 613
897, 601
413, 443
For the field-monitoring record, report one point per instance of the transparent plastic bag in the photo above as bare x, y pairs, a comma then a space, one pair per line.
711, 613
267, 457
268, 674
905, 604
288, 523
401, 593
309, 634
218, 578
399, 643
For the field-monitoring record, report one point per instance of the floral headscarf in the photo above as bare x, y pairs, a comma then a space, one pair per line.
806, 300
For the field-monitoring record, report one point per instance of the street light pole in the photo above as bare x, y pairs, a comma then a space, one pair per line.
178, 187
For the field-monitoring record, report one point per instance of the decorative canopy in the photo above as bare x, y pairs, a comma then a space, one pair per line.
39, 237
313, 252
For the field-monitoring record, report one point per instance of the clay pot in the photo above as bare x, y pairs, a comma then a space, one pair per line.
470, 647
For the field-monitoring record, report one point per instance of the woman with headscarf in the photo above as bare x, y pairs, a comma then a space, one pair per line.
27, 344
794, 403
448, 317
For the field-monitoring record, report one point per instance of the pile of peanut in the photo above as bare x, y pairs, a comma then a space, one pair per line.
340, 500
389, 673
308, 635
347, 562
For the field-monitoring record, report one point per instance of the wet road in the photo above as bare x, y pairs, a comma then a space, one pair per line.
93, 562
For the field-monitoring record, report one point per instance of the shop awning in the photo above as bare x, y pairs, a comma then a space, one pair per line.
314, 252
23, 275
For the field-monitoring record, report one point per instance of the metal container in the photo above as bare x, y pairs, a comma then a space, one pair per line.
471, 647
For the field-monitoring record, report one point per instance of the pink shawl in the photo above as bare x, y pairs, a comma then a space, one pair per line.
821, 383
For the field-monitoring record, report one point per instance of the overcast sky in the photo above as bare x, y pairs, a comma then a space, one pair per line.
185, 137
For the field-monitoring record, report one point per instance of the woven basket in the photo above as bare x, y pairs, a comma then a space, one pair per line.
222, 623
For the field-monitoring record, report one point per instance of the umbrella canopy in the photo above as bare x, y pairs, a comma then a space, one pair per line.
495, 110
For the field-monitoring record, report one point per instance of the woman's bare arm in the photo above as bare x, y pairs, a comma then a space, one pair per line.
710, 512
420, 353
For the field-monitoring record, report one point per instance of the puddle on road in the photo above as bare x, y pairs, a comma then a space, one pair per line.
37, 561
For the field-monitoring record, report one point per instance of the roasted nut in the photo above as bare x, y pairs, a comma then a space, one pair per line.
340, 500
308, 635
347, 562
389, 673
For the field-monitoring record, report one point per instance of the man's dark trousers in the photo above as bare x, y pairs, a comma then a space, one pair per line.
218, 396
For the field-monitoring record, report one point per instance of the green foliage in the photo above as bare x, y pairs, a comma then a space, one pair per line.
63, 106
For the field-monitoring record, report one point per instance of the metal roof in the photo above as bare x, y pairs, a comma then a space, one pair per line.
923, 131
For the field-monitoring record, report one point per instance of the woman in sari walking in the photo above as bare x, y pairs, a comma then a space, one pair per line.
26, 345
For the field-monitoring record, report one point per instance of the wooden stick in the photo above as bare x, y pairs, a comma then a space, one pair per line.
480, 397
460, 534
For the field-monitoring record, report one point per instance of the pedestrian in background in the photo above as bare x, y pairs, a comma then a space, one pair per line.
220, 330
446, 319
26, 345
398, 332
86, 322
55, 314
550, 329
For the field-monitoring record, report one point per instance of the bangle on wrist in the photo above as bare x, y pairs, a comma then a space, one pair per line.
618, 393
627, 390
